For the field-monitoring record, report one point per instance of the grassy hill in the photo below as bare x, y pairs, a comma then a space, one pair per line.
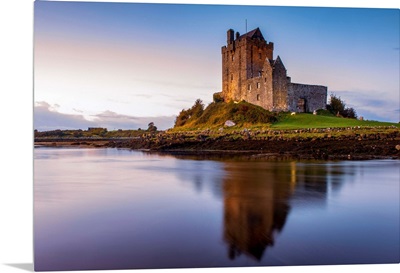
306, 120
243, 114
246, 115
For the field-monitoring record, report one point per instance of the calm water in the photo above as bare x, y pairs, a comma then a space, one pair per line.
121, 209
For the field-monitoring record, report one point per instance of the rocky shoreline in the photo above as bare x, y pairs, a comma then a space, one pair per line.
321, 145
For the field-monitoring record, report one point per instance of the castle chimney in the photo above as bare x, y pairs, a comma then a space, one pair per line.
237, 35
230, 36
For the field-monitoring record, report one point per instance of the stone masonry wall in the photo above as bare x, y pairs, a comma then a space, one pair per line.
314, 96
242, 65
279, 87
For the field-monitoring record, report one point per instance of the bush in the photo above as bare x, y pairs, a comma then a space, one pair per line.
338, 107
192, 113
349, 113
197, 109
152, 128
323, 112
217, 97
182, 118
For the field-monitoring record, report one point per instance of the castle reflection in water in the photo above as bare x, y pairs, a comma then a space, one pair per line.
257, 201
258, 196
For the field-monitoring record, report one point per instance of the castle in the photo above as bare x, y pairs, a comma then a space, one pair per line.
250, 73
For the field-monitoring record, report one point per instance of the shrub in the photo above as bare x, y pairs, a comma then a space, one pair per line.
182, 118
217, 97
197, 109
338, 107
152, 127
193, 113
349, 113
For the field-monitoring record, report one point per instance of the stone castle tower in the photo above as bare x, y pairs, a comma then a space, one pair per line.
250, 73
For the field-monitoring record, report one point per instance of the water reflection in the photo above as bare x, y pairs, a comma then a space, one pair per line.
109, 208
258, 195
255, 207
257, 199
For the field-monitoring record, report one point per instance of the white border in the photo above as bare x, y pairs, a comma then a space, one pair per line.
16, 23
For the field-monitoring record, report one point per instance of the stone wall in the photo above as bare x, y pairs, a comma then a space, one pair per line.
256, 53
279, 86
230, 71
313, 97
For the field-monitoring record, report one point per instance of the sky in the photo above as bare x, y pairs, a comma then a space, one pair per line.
122, 65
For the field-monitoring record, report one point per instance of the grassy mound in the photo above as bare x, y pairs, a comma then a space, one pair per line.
217, 113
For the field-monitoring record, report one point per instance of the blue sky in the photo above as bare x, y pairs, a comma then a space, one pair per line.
119, 65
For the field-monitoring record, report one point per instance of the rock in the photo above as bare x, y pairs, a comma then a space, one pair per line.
229, 123
398, 147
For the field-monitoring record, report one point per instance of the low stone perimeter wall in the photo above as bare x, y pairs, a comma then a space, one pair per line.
313, 96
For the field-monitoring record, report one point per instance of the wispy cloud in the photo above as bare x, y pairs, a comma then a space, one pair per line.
112, 120
372, 105
77, 110
46, 117
147, 96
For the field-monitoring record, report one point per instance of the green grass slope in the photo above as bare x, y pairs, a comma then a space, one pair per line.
217, 113
247, 115
306, 120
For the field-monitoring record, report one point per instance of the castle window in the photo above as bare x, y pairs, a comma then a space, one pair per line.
265, 80
258, 85
231, 77
249, 87
259, 73
258, 96
233, 58
259, 56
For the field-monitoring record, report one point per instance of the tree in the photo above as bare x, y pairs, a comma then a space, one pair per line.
182, 118
338, 107
152, 127
195, 111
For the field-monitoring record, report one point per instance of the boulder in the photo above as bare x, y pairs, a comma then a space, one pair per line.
229, 123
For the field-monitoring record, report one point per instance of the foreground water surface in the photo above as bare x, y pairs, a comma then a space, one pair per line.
122, 209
